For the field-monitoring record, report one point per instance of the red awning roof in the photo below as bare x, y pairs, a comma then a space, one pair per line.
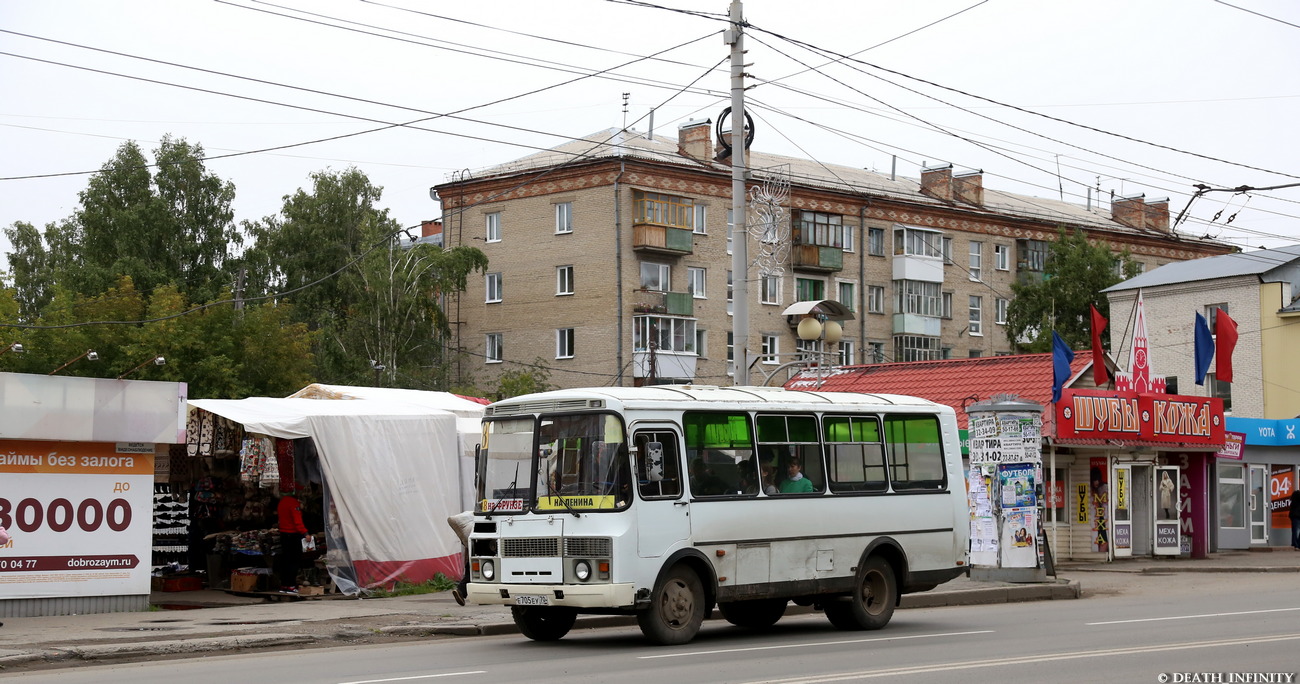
955, 382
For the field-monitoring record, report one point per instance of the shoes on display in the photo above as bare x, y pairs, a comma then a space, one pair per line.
288, 590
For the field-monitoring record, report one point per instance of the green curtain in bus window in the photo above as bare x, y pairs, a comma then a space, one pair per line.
845, 429
717, 431
915, 452
836, 429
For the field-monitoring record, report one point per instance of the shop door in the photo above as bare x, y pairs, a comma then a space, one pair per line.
1231, 507
1142, 502
1258, 505
1164, 503
1123, 515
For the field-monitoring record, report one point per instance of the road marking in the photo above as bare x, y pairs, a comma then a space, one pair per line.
1192, 617
407, 679
1024, 660
820, 643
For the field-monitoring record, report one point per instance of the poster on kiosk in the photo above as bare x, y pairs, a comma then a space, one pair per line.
1168, 528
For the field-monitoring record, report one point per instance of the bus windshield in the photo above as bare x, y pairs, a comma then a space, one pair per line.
580, 463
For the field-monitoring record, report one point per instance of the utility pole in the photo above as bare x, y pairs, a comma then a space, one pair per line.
739, 234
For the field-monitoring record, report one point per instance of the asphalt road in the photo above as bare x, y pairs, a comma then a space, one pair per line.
1129, 630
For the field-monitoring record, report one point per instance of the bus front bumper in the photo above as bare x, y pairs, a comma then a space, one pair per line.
570, 595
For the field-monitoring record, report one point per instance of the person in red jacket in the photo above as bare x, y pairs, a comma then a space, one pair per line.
292, 531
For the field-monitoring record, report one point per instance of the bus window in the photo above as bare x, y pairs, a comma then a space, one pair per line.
791, 444
915, 447
658, 466
719, 446
582, 463
855, 453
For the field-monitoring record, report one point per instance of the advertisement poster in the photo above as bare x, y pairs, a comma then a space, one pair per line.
1017, 481
1281, 482
81, 518
1099, 497
1020, 538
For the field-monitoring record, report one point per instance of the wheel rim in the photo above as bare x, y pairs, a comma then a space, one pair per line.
873, 592
678, 603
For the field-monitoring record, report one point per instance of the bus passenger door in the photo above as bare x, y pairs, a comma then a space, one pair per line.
662, 510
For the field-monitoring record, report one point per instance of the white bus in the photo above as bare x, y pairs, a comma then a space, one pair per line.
663, 501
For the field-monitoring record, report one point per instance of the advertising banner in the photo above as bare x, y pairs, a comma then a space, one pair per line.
1173, 418
81, 518
1281, 482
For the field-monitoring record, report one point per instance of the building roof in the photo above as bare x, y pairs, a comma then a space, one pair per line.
954, 382
630, 144
1261, 263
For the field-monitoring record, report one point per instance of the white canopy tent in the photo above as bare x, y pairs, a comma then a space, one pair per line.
391, 462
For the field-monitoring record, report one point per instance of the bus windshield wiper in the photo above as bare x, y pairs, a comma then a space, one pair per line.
509, 488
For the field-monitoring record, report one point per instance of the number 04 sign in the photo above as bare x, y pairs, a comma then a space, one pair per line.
81, 519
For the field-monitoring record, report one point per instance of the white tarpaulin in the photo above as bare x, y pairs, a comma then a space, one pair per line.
391, 470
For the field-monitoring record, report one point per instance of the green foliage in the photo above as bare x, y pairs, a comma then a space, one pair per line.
515, 382
439, 583
1075, 274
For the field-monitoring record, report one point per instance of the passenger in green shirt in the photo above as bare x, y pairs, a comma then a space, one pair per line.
795, 482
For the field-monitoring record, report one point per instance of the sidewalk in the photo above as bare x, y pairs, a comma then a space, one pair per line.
212, 621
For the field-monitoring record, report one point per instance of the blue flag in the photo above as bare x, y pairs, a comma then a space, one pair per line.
1062, 357
1204, 348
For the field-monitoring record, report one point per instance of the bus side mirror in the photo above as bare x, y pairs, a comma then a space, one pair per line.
654, 461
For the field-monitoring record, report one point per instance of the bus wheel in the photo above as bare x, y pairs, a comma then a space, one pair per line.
544, 623
757, 614
873, 600
676, 608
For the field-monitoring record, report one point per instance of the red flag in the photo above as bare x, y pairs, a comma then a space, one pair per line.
1099, 374
1225, 330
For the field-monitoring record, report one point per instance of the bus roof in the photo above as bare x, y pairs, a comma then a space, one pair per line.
703, 396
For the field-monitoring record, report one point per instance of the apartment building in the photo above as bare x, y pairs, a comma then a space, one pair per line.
610, 259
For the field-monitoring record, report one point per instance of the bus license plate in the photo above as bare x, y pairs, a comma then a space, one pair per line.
532, 600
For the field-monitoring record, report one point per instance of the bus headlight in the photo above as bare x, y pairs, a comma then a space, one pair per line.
582, 569
489, 570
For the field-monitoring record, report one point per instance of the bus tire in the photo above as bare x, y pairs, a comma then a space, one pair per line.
676, 608
872, 603
544, 623
756, 614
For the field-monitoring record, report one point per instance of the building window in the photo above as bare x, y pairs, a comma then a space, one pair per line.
730, 227
809, 289
564, 343
809, 351
493, 347
976, 315
916, 348
667, 334
701, 219
695, 281
663, 210
1000, 310
1031, 255
655, 277
817, 228
701, 343
946, 306
1002, 257
917, 297
846, 353
564, 280
1221, 390
771, 289
848, 238
975, 353
564, 217
875, 352
875, 299
976, 260
946, 248
848, 295
918, 242
876, 241
493, 226
493, 287
771, 348
730, 292
731, 352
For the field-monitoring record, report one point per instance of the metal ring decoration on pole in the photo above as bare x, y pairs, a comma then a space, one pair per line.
723, 140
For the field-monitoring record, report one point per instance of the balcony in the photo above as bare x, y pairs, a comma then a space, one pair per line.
675, 365
817, 258
668, 303
916, 324
662, 240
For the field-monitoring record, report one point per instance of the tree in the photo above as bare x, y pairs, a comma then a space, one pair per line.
366, 297
1075, 273
515, 382
30, 270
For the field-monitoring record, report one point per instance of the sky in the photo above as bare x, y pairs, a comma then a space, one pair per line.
1049, 99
